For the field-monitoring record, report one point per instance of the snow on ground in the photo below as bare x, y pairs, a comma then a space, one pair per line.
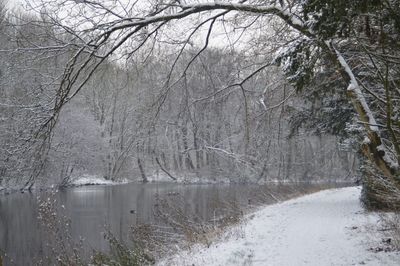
325, 228
86, 180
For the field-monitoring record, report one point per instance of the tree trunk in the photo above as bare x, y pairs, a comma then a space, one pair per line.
381, 183
144, 177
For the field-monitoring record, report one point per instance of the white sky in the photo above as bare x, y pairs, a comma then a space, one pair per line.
177, 30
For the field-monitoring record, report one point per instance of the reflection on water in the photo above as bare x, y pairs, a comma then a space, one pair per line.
90, 208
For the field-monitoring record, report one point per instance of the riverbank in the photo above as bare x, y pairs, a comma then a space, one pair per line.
325, 228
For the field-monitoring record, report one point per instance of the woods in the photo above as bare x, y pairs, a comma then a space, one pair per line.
249, 101
182, 101
208, 117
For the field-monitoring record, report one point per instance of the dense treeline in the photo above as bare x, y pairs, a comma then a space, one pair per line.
126, 123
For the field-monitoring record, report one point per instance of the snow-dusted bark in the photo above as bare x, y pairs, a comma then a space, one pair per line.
373, 147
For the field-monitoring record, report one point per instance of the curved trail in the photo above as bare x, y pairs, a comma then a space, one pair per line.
325, 228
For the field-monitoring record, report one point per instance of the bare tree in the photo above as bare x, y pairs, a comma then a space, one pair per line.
309, 43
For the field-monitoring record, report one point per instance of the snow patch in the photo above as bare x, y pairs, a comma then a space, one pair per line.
366, 140
86, 180
386, 157
325, 228
354, 87
360, 97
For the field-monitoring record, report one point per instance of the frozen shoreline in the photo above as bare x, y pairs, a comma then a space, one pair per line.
91, 180
325, 228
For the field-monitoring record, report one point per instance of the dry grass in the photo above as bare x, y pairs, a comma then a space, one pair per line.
391, 229
190, 228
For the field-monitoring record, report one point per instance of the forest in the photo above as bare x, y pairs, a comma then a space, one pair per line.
222, 114
252, 92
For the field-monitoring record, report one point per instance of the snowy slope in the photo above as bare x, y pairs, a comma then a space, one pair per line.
325, 228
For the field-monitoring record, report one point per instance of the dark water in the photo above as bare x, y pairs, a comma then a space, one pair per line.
91, 208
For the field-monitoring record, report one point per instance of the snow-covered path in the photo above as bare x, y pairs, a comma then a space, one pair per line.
325, 228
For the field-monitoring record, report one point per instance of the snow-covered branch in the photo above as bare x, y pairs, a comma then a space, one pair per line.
376, 151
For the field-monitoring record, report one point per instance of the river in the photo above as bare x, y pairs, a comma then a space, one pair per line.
89, 210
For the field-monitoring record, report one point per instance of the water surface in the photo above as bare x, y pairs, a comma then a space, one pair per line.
91, 209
